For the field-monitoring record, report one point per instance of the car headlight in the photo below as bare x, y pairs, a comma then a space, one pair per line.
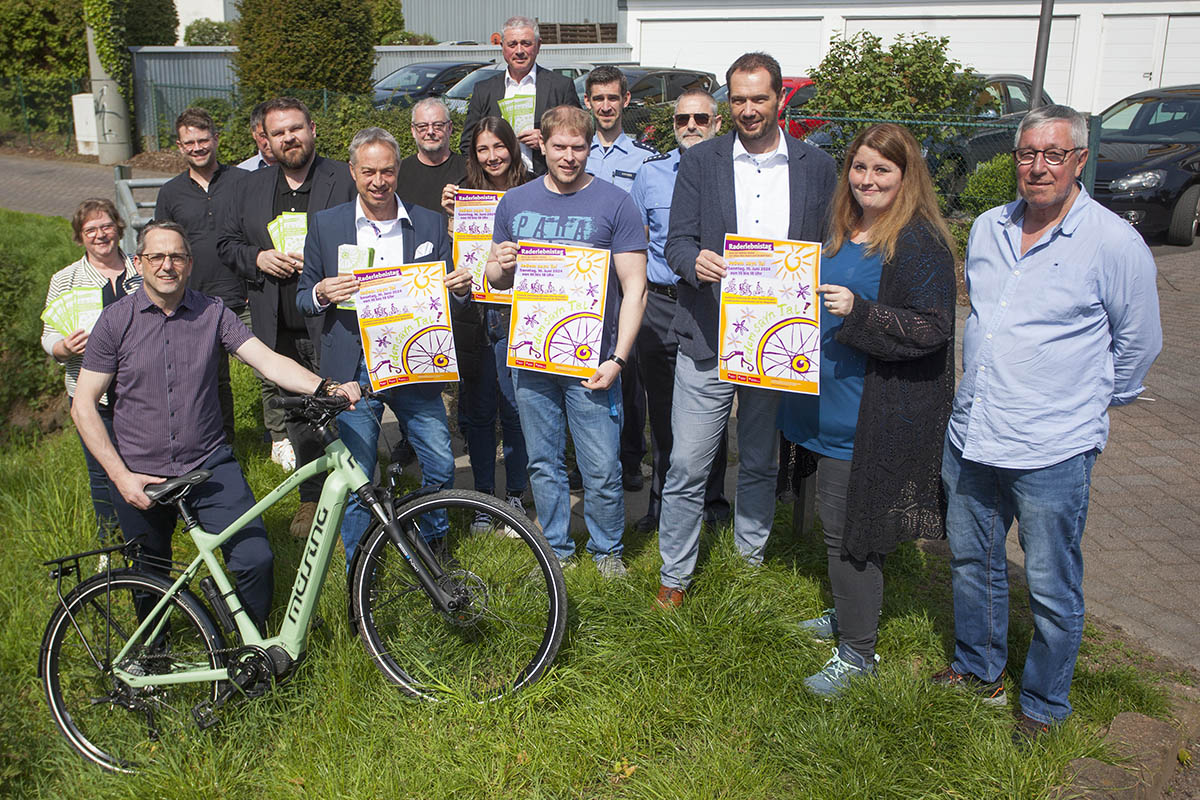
1146, 179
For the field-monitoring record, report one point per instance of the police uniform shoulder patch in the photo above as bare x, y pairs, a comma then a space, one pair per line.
658, 157
643, 146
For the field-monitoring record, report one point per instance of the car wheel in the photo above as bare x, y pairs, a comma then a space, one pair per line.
1184, 218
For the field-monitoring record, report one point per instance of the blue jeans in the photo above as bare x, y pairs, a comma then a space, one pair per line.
481, 401
1050, 505
701, 406
547, 404
422, 415
101, 490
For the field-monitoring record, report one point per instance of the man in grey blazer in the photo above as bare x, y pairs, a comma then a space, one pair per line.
757, 181
299, 181
519, 44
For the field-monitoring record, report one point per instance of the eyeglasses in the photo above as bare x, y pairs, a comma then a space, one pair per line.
1054, 156
155, 260
701, 119
423, 127
93, 232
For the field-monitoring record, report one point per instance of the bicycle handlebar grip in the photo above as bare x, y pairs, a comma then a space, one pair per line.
286, 402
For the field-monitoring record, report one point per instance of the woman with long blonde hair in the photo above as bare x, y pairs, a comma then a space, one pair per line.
887, 381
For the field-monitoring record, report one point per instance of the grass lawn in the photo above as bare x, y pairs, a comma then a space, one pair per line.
703, 702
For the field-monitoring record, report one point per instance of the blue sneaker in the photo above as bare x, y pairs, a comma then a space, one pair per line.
845, 666
822, 627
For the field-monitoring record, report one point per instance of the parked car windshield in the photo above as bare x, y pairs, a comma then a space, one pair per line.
408, 79
462, 90
1152, 119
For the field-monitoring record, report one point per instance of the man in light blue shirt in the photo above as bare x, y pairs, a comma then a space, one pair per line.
1064, 323
696, 120
616, 158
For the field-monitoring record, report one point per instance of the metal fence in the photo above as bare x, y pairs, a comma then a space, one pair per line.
38, 110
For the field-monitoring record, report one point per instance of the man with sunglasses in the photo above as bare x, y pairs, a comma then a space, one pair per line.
1063, 324
696, 120
423, 175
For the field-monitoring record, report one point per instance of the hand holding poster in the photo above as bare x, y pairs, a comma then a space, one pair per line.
558, 308
404, 324
770, 334
474, 213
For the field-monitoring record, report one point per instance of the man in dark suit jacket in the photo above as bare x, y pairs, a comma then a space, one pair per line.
301, 182
519, 44
400, 234
757, 181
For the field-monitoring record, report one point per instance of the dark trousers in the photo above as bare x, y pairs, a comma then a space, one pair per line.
656, 348
101, 491
216, 503
297, 346
633, 426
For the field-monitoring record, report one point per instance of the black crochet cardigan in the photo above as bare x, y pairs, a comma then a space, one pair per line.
895, 492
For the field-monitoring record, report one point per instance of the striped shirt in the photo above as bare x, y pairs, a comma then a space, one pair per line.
80, 275
167, 418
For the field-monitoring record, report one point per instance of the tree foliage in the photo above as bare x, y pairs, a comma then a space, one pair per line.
387, 18
43, 45
106, 18
205, 32
304, 44
150, 22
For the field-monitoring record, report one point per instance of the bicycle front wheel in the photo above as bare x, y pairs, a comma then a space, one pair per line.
108, 722
505, 636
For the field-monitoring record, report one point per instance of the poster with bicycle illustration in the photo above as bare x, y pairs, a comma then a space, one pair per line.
404, 324
769, 326
474, 213
558, 308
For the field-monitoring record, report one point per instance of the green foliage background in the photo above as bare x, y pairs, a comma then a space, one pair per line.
150, 22
205, 32
387, 18
43, 46
304, 44
992, 183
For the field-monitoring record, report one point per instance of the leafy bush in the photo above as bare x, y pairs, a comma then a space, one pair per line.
43, 46
150, 22
408, 37
387, 18
992, 183
205, 32
655, 126
325, 44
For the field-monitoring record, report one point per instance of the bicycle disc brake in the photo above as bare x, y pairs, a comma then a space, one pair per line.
469, 597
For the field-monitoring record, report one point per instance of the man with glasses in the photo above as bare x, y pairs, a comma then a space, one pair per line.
519, 44
696, 120
423, 176
1063, 324
157, 348
193, 199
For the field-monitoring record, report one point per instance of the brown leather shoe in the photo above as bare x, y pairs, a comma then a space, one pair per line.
669, 598
303, 520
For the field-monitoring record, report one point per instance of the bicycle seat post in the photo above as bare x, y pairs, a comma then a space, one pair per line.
185, 513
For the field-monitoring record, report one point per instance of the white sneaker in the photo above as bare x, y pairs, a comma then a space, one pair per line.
482, 522
283, 454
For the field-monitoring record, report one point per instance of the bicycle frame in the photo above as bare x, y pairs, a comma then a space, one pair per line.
344, 477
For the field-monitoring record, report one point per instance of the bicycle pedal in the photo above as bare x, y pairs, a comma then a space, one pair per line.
205, 715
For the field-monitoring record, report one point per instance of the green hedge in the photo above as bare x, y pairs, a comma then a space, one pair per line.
992, 183
44, 62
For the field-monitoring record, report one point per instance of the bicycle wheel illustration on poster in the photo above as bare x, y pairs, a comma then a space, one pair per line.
558, 308
769, 326
404, 324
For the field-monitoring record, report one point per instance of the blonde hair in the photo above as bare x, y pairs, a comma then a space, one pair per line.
915, 198
570, 119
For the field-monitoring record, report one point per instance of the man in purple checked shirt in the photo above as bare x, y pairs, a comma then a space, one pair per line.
158, 349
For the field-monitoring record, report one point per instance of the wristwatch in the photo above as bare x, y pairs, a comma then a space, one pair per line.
620, 362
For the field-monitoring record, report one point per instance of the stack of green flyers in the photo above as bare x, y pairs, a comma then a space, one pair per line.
350, 258
287, 232
75, 310
518, 111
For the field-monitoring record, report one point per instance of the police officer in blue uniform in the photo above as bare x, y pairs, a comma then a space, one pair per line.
696, 119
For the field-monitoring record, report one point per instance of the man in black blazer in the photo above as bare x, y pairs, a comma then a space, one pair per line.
301, 182
519, 44
757, 181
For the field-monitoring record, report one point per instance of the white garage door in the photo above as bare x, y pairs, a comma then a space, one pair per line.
713, 45
990, 44
1146, 51
1181, 61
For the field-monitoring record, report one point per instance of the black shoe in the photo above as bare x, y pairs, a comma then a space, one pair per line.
575, 479
646, 524
1028, 731
403, 453
632, 480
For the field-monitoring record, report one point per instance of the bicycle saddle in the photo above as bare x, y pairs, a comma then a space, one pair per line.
172, 489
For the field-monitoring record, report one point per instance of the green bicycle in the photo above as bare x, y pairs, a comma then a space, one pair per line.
132, 658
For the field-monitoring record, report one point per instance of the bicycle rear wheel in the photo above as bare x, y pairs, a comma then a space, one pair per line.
506, 636
105, 720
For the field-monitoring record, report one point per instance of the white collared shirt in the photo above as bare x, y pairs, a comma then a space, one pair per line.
386, 236
527, 85
761, 191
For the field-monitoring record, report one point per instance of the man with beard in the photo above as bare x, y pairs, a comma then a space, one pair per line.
192, 199
696, 120
301, 182
761, 182
423, 176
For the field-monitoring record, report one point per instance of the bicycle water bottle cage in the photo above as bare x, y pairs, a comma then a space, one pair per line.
174, 489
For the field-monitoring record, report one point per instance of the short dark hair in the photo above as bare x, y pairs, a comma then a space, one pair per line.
605, 74
750, 62
174, 227
258, 115
91, 207
285, 104
195, 117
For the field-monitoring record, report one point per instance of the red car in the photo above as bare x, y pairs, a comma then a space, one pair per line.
796, 92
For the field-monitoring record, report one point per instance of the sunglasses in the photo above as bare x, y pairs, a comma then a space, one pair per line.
701, 119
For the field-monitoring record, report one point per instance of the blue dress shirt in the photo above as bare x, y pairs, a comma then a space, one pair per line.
652, 191
619, 163
1054, 336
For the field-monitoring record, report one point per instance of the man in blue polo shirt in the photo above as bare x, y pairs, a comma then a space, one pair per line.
570, 206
